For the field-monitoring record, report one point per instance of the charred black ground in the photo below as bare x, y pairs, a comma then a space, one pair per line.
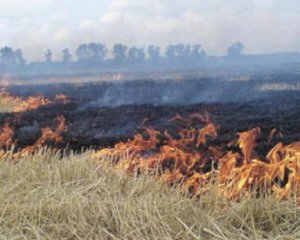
95, 126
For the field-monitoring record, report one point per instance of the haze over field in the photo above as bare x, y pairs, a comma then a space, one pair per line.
264, 26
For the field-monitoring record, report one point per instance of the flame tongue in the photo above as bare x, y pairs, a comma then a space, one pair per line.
7, 99
31, 103
48, 135
139, 144
247, 142
62, 98
179, 158
209, 130
186, 159
6, 134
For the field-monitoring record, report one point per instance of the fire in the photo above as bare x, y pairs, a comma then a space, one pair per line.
186, 155
31, 103
34, 102
6, 134
48, 135
62, 98
247, 142
187, 159
7, 99
209, 130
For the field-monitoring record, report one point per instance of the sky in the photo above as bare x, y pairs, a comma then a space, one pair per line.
264, 26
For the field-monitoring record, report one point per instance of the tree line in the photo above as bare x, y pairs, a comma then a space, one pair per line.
120, 54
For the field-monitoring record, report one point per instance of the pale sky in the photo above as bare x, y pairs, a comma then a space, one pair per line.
262, 25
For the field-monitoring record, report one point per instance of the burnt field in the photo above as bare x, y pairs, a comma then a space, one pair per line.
240, 135
103, 114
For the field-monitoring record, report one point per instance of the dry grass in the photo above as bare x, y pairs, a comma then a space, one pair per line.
49, 197
7, 107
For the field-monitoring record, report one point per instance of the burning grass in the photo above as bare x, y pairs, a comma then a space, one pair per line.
175, 183
48, 135
190, 161
46, 196
188, 156
10, 103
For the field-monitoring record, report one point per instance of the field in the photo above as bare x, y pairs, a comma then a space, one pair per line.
67, 190
46, 197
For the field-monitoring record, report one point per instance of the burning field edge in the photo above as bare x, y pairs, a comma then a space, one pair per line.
186, 150
182, 176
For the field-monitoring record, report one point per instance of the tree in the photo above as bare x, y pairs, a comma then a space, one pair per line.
197, 53
82, 53
19, 59
180, 51
185, 53
154, 53
235, 49
119, 53
9, 57
171, 52
48, 55
187, 50
92, 52
97, 51
140, 55
67, 57
136, 55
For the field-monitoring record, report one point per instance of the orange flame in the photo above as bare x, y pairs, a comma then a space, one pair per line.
7, 99
31, 103
48, 135
62, 98
247, 142
186, 161
6, 134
